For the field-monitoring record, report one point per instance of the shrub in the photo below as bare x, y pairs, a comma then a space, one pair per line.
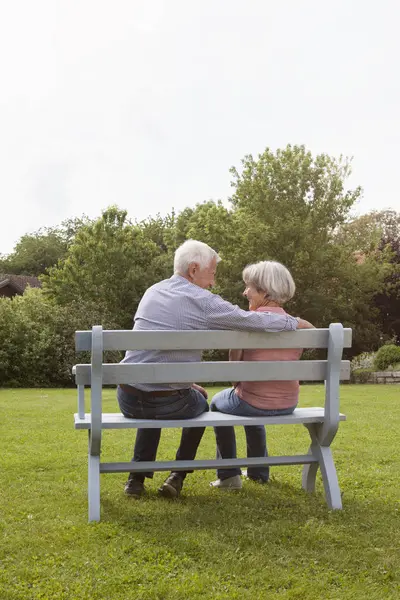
363, 361
386, 356
361, 375
38, 345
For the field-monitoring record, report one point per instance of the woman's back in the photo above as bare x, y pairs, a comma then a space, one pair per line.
270, 394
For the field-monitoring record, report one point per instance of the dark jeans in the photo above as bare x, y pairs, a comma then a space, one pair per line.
227, 401
185, 404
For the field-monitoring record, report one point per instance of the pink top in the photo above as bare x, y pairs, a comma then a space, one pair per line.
270, 395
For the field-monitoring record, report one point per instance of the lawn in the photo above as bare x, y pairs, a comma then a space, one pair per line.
274, 541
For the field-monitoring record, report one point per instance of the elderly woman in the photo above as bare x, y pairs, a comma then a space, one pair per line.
268, 286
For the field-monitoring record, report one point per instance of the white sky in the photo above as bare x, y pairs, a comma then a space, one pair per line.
147, 104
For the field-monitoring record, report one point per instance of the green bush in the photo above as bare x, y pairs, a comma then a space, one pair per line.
361, 375
37, 339
386, 356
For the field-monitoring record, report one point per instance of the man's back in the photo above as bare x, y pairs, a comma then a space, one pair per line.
172, 304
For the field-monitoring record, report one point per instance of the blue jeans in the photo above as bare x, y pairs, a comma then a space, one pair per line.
185, 404
229, 402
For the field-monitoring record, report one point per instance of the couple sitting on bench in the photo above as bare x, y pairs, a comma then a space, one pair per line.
183, 302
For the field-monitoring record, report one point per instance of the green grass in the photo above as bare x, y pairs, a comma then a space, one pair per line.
274, 541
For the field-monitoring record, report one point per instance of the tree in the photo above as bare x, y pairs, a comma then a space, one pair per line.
388, 300
287, 206
36, 252
110, 262
377, 234
209, 222
370, 232
161, 231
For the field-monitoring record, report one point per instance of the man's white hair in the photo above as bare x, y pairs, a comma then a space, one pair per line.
272, 278
193, 251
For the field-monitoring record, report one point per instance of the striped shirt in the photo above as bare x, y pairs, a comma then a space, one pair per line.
178, 304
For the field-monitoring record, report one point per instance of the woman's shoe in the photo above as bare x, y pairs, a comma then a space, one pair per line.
232, 483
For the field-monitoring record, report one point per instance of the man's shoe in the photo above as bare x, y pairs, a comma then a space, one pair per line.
134, 487
232, 483
172, 486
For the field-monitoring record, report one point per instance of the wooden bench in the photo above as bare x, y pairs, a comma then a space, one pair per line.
322, 422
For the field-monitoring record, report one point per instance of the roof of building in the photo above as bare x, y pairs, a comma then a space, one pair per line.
19, 282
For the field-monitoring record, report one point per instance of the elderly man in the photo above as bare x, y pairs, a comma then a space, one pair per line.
182, 302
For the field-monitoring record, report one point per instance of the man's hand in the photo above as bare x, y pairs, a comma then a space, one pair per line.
304, 324
200, 389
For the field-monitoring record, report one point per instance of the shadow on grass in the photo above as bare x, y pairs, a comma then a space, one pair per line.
278, 528
280, 504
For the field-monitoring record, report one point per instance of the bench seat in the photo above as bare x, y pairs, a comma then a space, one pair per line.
208, 419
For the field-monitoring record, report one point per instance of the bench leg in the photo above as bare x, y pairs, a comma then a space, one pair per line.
329, 478
94, 488
309, 474
328, 471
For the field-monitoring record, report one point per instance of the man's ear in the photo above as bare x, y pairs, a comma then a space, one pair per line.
192, 269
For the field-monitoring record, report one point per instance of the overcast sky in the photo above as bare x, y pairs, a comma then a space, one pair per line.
147, 104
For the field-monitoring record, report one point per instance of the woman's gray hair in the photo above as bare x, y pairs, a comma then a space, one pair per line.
272, 278
193, 251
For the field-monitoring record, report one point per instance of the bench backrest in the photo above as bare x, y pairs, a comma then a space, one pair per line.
96, 374
335, 338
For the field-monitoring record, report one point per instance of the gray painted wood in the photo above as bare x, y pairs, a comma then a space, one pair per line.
81, 401
310, 370
329, 477
94, 487
182, 465
327, 466
96, 389
309, 473
209, 419
332, 384
208, 340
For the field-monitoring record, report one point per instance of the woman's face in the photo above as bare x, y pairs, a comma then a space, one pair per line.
255, 297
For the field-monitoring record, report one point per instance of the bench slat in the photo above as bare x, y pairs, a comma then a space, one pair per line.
208, 340
311, 370
181, 465
118, 421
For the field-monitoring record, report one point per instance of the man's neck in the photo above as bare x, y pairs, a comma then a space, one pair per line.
188, 278
184, 276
